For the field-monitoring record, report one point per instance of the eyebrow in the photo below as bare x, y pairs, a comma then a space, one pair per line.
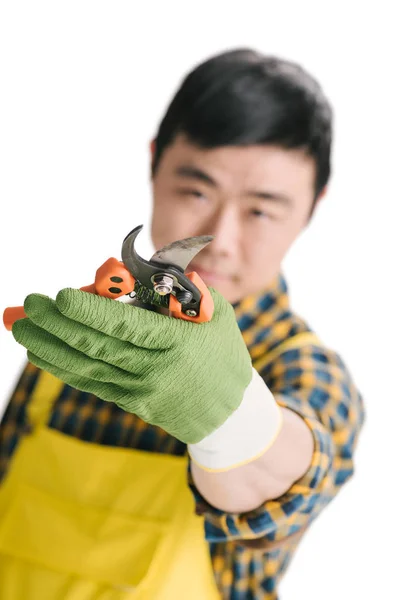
191, 172
274, 196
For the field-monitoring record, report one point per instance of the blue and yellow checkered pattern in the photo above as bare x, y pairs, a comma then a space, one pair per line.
250, 552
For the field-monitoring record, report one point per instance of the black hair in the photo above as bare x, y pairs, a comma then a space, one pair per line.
241, 97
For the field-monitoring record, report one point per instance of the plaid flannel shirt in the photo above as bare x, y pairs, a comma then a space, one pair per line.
249, 552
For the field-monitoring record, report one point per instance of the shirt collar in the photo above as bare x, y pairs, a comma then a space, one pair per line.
257, 313
251, 307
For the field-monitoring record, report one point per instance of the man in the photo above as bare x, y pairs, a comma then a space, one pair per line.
271, 424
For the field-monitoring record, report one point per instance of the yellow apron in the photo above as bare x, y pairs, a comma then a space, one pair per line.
81, 521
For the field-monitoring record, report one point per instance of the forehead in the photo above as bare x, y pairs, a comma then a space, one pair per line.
242, 167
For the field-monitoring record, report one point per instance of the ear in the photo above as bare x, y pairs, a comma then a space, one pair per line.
152, 149
322, 194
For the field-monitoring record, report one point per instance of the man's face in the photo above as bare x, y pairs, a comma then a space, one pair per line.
255, 200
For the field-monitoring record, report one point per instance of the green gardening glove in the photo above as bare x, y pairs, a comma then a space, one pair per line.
186, 378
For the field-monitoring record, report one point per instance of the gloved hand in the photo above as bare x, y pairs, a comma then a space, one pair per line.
185, 377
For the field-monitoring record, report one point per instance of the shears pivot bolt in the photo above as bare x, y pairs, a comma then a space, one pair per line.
163, 284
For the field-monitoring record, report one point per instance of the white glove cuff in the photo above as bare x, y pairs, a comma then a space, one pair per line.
245, 435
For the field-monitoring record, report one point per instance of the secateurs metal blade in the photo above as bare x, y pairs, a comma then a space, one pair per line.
161, 281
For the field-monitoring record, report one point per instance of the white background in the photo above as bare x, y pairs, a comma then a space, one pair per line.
83, 86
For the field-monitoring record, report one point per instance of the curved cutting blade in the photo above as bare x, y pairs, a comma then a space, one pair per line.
178, 254
130, 257
182, 252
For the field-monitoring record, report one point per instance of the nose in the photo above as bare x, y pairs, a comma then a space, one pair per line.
225, 227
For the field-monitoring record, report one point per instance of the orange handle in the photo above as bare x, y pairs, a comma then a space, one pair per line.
112, 281
12, 314
206, 304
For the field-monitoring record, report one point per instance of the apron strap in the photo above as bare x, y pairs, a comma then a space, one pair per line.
46, 392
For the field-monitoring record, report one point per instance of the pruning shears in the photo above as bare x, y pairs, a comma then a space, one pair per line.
160, 281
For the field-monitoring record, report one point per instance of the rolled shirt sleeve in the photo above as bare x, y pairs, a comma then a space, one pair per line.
313, 382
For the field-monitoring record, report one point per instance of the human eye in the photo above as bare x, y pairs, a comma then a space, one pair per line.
260, 214
192, 193
267, 213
